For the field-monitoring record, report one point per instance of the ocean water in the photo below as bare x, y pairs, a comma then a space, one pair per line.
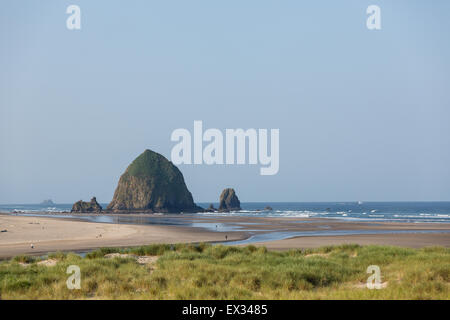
433, 212
438, 212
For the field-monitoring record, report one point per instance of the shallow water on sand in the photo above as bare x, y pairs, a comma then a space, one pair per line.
258, 231
271, 236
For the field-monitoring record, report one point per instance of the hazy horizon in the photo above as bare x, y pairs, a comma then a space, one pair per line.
243, 202
363, 114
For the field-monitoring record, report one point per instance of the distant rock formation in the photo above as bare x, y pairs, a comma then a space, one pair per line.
86, 207
229, 201
151, 183
48, 202
268, 208
211, 208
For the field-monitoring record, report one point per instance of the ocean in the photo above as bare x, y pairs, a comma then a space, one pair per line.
432, 212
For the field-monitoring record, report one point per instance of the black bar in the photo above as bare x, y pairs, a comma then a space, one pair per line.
232, 309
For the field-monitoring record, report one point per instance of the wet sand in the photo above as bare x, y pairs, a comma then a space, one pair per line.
49, 234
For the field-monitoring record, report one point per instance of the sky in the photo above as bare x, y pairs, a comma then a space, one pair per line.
362, 114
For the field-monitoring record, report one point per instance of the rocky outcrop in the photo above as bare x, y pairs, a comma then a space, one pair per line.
151, 183
229, 201
86, 207
211, 208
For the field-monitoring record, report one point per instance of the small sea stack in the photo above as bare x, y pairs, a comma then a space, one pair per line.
87, 207
229, 201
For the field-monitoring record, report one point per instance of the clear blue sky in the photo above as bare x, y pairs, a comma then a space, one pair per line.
363, 115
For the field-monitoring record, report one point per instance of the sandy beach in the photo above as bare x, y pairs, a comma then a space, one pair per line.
53, 234
50, 234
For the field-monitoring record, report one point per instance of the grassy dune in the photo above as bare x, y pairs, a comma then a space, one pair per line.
223, 272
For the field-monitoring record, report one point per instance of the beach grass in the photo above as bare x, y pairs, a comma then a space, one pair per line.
205, 271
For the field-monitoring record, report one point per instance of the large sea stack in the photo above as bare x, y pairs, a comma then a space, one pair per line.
152, 183
229, 201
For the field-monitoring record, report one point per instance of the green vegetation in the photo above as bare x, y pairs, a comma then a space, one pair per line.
205, 271
151, 164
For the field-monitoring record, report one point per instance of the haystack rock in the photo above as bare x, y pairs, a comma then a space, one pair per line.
152, 183
229, 201
85, 207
